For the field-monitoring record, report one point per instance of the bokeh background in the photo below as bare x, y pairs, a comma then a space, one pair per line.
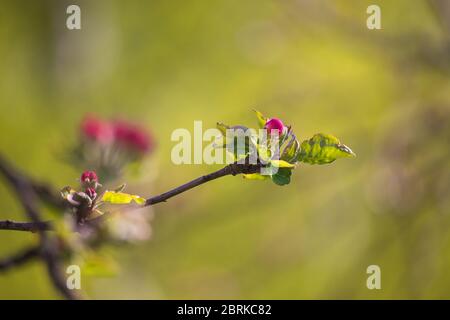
385, 93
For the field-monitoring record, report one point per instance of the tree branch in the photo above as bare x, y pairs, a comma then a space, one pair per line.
42, 190
27, 191
19, 258
25, 226
231, 169
48, 246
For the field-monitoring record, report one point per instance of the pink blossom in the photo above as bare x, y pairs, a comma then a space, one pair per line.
97, 129
89, 176
120, 132
132, 136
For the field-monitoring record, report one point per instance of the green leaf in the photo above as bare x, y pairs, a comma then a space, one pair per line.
291, 151
261, 119
239, 142
281, 164
323, 149
264, 153
282, 177
255, 176
287, 132
121, 198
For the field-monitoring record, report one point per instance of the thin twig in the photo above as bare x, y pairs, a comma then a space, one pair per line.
48, 246
26, 193
231, 169
25, 226
19, 258
48, 195
45, 192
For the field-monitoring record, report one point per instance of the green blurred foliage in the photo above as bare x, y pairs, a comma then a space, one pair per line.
315, 65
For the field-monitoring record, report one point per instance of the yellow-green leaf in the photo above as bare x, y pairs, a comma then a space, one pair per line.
291, 151
255, 176
121, 198
261, 119
323, 149
281, 164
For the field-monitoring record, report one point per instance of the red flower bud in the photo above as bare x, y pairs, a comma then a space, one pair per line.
132, 136
89, 176
97, 130
274, 124
91, 193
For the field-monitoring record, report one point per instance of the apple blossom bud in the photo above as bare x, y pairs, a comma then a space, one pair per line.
91, 193
132, 136
97, 130
89, 176
274, 124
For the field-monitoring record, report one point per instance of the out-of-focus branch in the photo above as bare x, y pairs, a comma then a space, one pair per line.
441, 10
48, 195
48, 246
25, 226
27, 193
19, 258
40, 189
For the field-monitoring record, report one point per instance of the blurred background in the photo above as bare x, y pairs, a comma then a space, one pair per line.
385, 93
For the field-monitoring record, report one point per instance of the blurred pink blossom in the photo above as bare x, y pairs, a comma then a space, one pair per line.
119, 132
97, 130
132, 136
89, 176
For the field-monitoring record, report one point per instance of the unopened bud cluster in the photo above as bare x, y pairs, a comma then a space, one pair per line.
83, 202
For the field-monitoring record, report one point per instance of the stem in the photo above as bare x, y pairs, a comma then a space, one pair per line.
25, 226
47, 250
42, 190
47, 245
19, 258
232, 169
